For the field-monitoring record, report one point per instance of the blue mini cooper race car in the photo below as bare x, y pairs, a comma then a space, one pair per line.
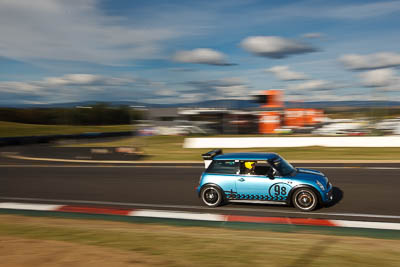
261, 178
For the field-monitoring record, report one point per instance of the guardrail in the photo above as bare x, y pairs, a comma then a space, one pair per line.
25, 140
253, 142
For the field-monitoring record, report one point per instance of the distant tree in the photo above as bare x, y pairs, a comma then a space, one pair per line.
97, 114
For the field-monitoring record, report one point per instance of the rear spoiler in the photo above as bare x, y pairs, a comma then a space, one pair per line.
208, 157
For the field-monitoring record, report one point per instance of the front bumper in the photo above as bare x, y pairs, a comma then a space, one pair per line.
328, 196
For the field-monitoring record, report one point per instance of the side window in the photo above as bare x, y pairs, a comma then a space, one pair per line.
255, 168
223, 166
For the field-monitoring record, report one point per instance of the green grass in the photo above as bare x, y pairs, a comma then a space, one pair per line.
11, 129
171, 148
202, 246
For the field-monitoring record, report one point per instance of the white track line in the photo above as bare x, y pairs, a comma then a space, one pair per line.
178, 215
381, 216
25, 206
369, 225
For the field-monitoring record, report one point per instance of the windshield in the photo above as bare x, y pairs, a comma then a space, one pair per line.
282, 166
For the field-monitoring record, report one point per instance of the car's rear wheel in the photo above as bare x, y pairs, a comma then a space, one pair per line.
305, 199
211, 196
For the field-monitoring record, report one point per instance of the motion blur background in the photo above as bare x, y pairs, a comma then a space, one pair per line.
179, 68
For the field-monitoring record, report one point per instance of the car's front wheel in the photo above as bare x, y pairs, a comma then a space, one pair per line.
305, 199
211, 196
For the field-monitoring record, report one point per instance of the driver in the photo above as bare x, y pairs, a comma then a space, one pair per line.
249, 167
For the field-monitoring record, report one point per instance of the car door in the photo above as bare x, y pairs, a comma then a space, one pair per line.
282, 183
279, 188
252, 187
263, 184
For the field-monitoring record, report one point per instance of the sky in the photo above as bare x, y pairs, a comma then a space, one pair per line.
57, 51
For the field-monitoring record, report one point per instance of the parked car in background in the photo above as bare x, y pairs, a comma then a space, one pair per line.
342, 127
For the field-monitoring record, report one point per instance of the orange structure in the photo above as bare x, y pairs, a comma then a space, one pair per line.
303, 117
309, 116
295, 117
269, 121
273, 99
275, 116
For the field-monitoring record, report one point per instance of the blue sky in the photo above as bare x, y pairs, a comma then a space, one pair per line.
55, 51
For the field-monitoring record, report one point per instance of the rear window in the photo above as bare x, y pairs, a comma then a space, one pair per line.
223, 166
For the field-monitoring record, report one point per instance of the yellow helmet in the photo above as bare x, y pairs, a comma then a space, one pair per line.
249, 164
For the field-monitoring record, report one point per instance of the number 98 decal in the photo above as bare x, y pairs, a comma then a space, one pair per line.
279, 189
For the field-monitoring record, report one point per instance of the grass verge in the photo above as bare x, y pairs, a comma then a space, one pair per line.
150, 244
170, 148
11, 129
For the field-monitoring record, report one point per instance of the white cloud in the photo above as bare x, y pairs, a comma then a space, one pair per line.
381, 78
165, 93
275, 47
86, 79
192, 97
313, 35
362, 11
331, 10
78, 87
376, 78
231, 87
312, 96
201, 56
74, 30
19, 87
313, 85
82, 87
284, 74
233, 91
371, 61
73, 79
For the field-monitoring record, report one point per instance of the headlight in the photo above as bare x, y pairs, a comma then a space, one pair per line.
320, 185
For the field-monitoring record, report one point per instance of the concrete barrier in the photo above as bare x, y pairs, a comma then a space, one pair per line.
252, 142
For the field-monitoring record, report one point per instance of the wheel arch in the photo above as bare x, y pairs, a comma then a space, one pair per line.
291, 192
214, 185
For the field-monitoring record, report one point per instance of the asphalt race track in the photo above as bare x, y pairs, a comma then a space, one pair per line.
362, 192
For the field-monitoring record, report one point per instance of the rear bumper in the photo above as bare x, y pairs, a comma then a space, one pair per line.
197, 188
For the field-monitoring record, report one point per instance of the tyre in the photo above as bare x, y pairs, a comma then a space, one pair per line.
305, 199
211, 196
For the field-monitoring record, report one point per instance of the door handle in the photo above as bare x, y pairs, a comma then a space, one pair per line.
241, 180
